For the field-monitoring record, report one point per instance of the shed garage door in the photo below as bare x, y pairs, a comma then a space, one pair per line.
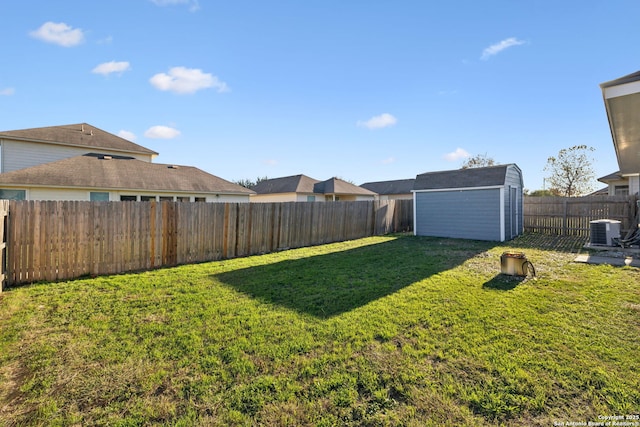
465, 214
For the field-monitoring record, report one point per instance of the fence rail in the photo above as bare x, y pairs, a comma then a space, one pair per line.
570, 216
59, 240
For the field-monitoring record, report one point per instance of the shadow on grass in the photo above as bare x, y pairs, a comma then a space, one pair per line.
570, 244
503, 282
334, 283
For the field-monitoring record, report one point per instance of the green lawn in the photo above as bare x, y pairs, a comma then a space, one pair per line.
396, 330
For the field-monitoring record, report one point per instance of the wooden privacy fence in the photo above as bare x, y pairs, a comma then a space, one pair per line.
572, 215
58, 240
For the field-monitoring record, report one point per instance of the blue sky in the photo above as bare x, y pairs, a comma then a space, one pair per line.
362, 90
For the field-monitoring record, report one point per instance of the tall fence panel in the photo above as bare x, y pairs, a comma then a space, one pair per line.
59, 240
4, 216
572, 215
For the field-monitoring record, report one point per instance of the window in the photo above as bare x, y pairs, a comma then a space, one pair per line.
184, 199
201, 199
128, 198
147, 198
166, 198
621, 190
13, 194
99, 196
311, 198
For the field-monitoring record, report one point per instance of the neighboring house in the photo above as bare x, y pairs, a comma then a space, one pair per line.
617, 184
301, 188
81, 162
392, 190
622, 102
475, 203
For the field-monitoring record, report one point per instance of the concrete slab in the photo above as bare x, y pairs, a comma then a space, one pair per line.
617, 261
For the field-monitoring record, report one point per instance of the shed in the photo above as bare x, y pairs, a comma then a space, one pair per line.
475, 203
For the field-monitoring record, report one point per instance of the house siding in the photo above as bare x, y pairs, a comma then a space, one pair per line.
278, 198
20, 154
61, 194
468, 214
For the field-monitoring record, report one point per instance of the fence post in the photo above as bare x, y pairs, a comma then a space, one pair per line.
565, 219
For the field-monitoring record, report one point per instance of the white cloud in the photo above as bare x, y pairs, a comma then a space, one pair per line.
388, 161
161, 132
495, 49
456, 155
106, 40
378, 122
129, 136
193, 4
58, 33
183, 80
107, 68
7, 91
271, 162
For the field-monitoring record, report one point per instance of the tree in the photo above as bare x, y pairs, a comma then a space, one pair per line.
478, 161
571, 171
247, 183
542, 193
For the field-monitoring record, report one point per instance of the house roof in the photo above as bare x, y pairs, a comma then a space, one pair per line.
616, 176
622, 103
81, 135
121, 173
339, 186
287, 184
304, 184
399, 186
462, 178
629, 78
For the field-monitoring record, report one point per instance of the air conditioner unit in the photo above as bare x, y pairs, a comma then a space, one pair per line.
603, 231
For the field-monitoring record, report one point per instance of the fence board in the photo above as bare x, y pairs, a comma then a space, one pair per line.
59, 240
572, 215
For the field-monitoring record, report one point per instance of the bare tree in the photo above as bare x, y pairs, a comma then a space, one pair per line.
478, 161
571, 171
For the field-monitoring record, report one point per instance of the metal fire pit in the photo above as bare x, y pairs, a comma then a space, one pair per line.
515, 264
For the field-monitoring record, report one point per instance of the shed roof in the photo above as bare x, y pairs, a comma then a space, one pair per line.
81, 135
120, 172
463, 178
398, 186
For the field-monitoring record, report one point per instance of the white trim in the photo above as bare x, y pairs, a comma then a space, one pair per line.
621, 90
502, 216
490, 187
415, 219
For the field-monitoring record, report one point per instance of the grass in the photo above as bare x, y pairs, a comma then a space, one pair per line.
395, 330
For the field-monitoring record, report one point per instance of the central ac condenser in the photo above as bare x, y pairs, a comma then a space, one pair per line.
603, 231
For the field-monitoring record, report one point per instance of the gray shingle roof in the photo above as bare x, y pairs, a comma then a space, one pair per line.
304, 184
339, 186
462, 178
81, 135
616, 176
119, 172
287, 184
399, 186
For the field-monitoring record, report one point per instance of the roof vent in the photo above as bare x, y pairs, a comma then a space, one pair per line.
107, 158
173, 167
